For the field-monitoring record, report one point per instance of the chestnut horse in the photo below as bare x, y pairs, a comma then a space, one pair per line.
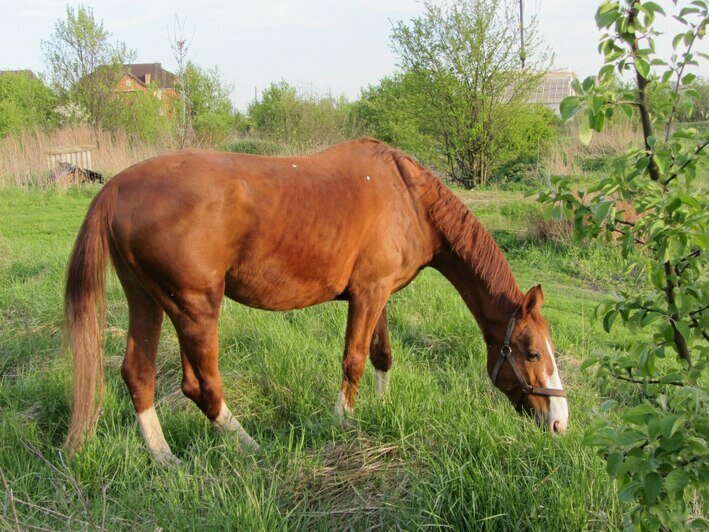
356, 222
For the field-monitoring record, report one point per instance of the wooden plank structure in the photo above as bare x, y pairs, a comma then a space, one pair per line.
78, 156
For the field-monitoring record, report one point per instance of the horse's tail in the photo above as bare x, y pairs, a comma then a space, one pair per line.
85, 315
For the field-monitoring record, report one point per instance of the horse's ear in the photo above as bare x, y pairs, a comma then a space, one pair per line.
532, 300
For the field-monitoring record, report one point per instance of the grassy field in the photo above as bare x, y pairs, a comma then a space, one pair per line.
444, 450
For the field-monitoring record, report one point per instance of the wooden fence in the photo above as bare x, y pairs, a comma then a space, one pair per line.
78, 156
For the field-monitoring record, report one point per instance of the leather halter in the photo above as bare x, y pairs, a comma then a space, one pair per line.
527, 390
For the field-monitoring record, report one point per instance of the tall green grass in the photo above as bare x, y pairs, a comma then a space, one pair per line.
443, 450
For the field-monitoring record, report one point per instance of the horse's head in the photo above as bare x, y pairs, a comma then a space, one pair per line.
524, 367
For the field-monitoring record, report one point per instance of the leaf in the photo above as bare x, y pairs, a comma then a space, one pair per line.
652, 485
608, 405
629, 438
652, 6
637, 413
627, 494
607, 14
608, 320
676, 481
596, 120
568, 107
615, 460
676, 40
688, 78
601, 211
670, 424
585, 132
591, 361
642, 66
683, 329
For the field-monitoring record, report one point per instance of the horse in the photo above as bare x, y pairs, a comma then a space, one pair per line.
355, 222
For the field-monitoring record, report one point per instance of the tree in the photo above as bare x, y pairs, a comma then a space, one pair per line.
209, 108
463, 60
84, 64
180, 46
658, 451
25, 102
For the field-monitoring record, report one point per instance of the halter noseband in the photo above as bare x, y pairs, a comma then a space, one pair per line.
527, 390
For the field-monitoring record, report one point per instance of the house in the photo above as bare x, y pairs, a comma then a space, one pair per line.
554, 87
139, 77
149, 77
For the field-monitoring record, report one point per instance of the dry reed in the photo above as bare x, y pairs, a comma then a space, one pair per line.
23, 158
566, 156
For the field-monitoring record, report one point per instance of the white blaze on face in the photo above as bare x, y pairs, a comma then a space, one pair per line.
558, 407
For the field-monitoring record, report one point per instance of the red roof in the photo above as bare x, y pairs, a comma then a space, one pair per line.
164, 78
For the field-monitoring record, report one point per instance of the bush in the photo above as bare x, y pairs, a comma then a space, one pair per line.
254, 147
656, 449
144, 116
384, 112
521, 171
25, 103
213, 127
285, 115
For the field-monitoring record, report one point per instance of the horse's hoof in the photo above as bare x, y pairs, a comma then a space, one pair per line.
166, 459
248, 443
381, 383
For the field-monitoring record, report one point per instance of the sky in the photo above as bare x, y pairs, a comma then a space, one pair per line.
325, 46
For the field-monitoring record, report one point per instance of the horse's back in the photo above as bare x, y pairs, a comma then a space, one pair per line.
280, 232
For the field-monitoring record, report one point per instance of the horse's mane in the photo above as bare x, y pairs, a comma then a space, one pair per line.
461, 229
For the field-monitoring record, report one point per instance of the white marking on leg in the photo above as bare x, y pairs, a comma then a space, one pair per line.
154, 438
226, 422
558, 406
381, 382
341, 407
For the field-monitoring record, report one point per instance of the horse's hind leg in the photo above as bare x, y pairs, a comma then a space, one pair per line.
363, 314
138, 368
380, 354
196, 323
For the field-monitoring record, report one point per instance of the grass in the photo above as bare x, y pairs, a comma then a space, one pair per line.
444, 450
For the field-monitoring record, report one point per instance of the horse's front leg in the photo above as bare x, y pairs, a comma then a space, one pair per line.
364, 312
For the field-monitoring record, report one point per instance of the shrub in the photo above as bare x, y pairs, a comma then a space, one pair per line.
253, 146
657, 452
142, 115
25, 103
286, 115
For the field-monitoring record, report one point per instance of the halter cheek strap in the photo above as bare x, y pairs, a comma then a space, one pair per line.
527, 390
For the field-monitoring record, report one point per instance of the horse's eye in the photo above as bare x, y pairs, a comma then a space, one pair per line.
532, 355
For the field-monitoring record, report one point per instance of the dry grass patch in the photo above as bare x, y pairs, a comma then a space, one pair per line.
23, 158
349, 481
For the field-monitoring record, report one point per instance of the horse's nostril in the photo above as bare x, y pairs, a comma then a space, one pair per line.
557, 426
